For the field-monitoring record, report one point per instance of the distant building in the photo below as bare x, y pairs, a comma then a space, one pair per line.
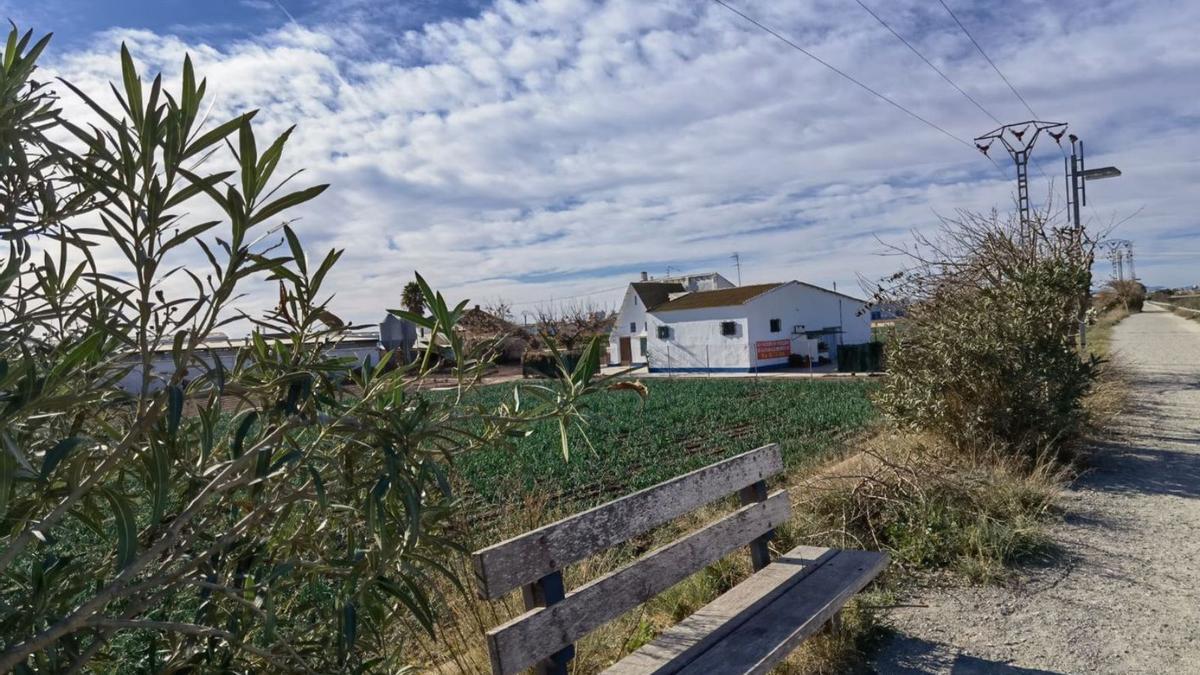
627, 341
398, 336
363, 348
737, 328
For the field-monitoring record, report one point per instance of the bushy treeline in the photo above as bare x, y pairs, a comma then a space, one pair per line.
987, 357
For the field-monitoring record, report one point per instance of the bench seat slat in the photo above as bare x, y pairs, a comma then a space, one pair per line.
686, 640
504, 566
764, 640
542, 631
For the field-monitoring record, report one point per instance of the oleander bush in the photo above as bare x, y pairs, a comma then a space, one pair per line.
283, 511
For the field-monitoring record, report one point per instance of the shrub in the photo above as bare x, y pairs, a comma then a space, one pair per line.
986, 357
266, 514
933, 509
1124, 294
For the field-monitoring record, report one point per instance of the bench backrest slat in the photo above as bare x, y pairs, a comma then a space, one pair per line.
541, 632
530, 556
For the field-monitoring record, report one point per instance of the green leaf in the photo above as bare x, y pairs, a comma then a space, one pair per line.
133, 85
286, 202
248, 155
297, 250
174, 409
243, 429
159, 469
89, 347
562, 434
423, 321
195, 187
126, 526
8, 478
327, 264
216, 135
270, 158
319, 486
54, 456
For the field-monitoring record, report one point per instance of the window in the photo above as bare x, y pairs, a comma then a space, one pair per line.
664, 332
642, 346
728, 328
632, 326
776, 325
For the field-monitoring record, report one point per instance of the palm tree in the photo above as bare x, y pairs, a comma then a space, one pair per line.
412, 298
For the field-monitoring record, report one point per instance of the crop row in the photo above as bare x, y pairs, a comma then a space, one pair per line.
683, 425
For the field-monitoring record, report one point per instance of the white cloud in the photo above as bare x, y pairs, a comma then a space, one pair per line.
576, 142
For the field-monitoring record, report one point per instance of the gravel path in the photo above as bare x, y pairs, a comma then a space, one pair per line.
1126, 596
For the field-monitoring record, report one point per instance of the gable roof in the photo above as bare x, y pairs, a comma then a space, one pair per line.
475, 320
725, 297
655, 293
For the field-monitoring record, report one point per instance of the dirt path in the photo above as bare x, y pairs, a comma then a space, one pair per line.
1126, 599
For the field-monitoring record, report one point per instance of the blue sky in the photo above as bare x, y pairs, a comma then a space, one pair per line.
550, 149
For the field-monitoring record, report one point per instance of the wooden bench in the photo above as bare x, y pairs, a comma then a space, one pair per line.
747, 630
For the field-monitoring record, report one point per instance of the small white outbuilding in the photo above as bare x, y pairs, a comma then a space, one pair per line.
751, 328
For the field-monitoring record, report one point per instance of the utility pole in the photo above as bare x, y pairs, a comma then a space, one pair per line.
1120, 255
1013, 138
737, 261
1077, 177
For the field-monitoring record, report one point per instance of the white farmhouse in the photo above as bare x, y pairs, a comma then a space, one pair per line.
751, 328
627, 343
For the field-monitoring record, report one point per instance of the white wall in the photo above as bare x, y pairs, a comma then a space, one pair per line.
633, 312
695, 340
797, 304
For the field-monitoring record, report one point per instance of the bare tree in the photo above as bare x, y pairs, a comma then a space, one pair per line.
571, 325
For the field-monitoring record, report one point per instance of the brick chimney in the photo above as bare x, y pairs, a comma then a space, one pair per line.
645, 277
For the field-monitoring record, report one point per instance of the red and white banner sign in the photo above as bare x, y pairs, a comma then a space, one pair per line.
773, 349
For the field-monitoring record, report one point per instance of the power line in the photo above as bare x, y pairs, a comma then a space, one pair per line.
568, 297
988, 58
929, 63
848, 77
1036, 164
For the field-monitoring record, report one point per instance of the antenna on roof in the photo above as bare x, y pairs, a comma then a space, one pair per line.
737, 262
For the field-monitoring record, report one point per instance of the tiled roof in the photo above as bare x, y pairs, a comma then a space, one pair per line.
655, 293
724, 297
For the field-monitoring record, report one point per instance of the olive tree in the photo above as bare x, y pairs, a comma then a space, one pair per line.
280, 511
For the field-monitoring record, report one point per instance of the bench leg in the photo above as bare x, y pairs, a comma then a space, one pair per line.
544, 592
834, 627
760, 553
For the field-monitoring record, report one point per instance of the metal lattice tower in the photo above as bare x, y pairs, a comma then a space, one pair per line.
1019, 142
1120, 255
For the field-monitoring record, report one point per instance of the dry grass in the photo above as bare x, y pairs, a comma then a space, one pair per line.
1100, 333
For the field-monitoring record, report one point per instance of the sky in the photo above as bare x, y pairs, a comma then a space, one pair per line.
545, 152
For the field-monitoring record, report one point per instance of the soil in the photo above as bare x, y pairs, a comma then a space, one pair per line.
1123, 596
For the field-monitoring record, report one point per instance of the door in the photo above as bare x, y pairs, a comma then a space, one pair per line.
626, 352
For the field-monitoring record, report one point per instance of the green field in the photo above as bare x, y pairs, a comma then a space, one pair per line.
685, 424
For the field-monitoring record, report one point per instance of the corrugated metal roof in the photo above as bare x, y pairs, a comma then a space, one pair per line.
655, 293
725, 297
